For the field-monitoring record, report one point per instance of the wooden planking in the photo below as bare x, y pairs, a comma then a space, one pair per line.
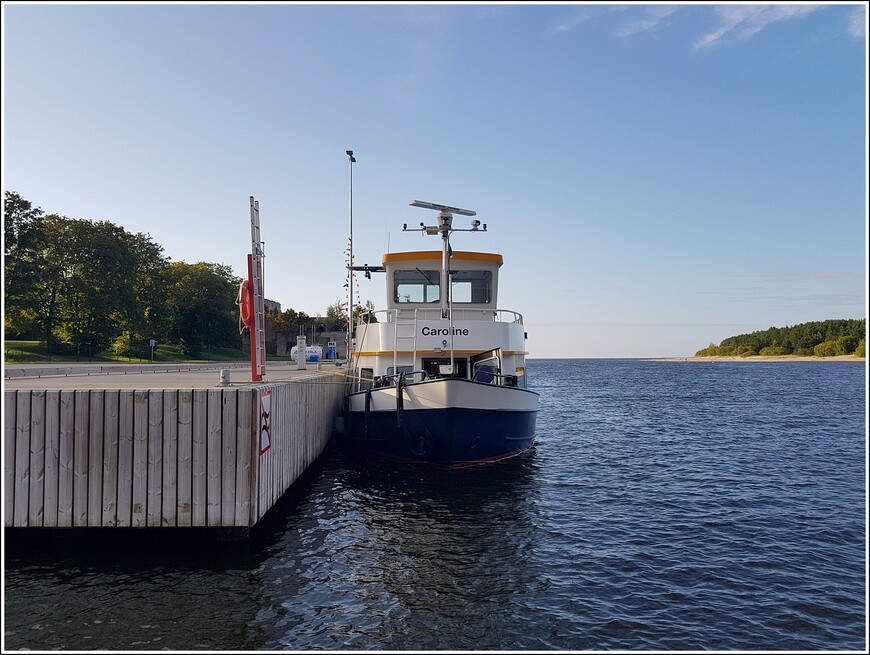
170, 459
228, 457
154, 505
36, 503
95, 460
297, 431
302, 421
213, 458
52, 457
268, 459
126, 403
245, 441
184, 433
80, 458
111, 422
81, 417
10, 401
158, 458
22, 459
256, 468
138, 517
200, 457
65, 459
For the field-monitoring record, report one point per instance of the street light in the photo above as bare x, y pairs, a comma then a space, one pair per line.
350, 162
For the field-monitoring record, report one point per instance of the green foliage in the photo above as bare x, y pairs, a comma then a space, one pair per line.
803, 340
829, 349
35, 351
88, 286
124, 345
200, 303
91, 289
364, 313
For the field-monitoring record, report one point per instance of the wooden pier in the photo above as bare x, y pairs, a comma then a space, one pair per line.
98, 451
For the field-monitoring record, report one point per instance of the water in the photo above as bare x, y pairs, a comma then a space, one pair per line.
666, 506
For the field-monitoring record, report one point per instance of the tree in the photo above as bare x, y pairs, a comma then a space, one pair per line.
37, 272
20, 219
99, 290
22, 231
364, 313
201, 301
829, 349
798, 340
146, 316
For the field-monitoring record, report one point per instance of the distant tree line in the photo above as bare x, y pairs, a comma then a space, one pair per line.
87, 286
820, 338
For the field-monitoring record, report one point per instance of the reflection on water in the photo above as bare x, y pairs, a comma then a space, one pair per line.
432, 557
666, 506
362, 554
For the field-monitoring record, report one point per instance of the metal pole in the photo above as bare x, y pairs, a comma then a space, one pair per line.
350, 161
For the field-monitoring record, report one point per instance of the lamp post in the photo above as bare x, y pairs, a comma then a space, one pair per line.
350, 162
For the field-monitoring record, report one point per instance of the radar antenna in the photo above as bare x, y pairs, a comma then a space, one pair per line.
445, 220
445, 228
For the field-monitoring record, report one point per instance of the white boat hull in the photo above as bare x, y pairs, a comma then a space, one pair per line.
447, 422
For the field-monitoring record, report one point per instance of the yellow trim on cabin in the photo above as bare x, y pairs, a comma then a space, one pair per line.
436, 254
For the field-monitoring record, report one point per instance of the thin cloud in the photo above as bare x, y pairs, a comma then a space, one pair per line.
580, 16
653, 19
827, 290
858, 23
741, 22
567, 26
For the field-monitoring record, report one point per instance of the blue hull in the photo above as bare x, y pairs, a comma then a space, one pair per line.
450, 438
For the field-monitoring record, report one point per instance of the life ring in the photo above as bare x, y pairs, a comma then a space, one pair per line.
245, 302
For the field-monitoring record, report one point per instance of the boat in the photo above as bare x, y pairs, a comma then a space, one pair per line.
439, 375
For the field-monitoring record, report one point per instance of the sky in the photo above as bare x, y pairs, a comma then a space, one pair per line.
657, 177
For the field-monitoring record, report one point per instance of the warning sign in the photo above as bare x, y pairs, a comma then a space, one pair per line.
265, 421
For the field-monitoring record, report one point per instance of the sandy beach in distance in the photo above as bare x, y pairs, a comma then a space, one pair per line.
760, 358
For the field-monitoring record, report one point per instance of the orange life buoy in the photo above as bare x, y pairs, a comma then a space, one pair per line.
245, 302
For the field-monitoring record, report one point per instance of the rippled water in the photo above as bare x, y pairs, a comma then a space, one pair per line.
667, 505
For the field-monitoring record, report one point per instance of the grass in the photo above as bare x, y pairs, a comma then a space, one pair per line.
35, 352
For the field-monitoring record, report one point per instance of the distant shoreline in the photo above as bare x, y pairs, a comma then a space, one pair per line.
761, 358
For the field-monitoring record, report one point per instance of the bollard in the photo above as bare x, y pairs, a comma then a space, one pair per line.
300, 353
225, 377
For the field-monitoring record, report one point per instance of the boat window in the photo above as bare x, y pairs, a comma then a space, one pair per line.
391, 381
416, 286
486, 370
432, 367
471, 286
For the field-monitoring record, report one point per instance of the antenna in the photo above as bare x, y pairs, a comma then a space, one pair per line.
445, 219
445, 228
442, 208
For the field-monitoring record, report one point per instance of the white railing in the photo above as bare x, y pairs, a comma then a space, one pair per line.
461, 314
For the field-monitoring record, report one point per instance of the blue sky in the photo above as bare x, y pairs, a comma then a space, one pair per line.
657, 177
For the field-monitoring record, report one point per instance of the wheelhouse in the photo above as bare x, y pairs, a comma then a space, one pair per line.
442, 321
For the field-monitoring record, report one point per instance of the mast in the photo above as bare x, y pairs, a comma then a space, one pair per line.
350, 162
445, 228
